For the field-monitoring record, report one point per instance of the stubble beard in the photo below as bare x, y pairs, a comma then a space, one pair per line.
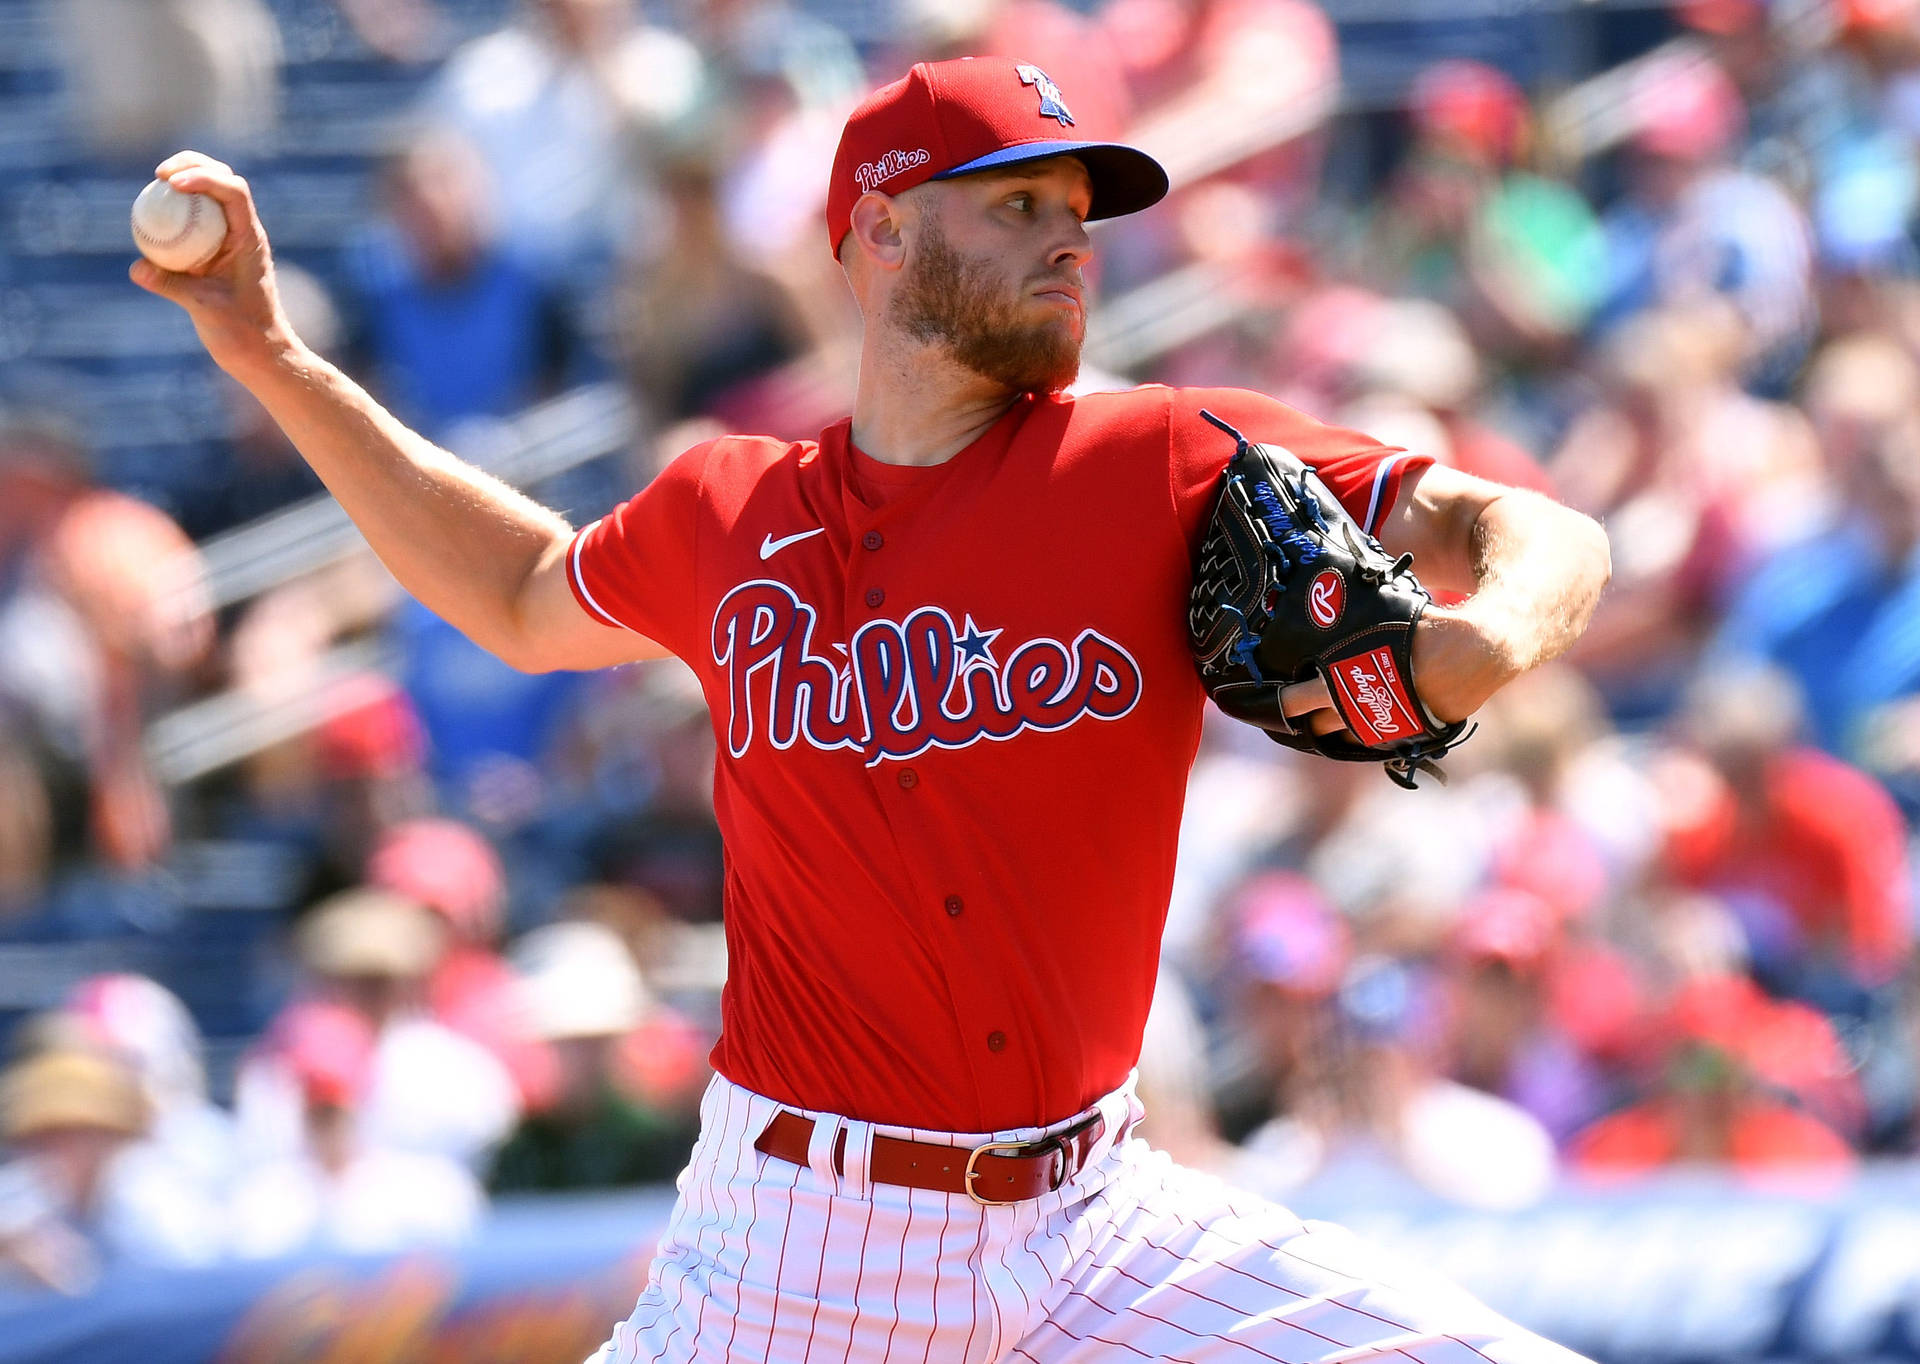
957, 302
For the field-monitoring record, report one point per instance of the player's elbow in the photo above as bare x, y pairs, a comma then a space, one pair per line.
522, 661
524, 653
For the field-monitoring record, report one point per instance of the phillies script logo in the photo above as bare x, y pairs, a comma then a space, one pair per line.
890, 164
1377, 707
902, 687
1327, 598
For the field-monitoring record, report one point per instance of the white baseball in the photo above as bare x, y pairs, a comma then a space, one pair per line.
177, 231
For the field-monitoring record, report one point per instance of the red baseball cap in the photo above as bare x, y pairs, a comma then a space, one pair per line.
944, 119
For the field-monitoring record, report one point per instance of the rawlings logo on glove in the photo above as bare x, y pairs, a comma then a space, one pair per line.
1288, 587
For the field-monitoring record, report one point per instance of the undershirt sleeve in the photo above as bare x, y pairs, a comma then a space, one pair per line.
633, 569
1359, 470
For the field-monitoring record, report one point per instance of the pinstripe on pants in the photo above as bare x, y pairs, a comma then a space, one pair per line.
1134, 1258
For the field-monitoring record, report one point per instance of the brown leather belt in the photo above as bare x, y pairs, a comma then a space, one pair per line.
997, 1172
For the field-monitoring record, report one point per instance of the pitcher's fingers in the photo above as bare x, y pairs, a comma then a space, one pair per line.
186, 160
1306, 696
220, 184
152, 278
1325, 721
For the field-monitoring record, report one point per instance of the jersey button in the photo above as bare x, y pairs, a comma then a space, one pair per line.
996, 1040
908, 779
954, 905
875, 596
873, 539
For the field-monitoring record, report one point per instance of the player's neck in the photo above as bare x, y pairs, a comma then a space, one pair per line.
916, 406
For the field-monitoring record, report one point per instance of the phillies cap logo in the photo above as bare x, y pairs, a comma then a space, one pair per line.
1052, 103
1327, 598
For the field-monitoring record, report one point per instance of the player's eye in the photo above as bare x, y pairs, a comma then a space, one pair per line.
1021, 203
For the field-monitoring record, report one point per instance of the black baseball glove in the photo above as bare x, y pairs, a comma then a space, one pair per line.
1287, 587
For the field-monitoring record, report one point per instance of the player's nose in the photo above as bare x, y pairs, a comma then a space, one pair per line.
1070, 244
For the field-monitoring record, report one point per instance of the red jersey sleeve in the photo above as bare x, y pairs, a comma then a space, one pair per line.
1364, 474
634, 568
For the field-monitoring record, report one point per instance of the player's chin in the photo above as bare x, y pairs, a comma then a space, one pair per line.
1049, 368
1063, 313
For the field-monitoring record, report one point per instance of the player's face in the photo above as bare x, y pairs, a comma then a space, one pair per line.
994, 273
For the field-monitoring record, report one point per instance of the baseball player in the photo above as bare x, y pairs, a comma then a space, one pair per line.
945, 651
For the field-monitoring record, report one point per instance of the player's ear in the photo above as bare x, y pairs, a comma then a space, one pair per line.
875, 232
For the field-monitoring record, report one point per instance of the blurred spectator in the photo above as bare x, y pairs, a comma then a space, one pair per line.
670, 846
1582, 825
402, 30
431, 1090
627, 1106
1414, 381
103, 607
1836, 610
1692, 225
152, 76
1268, 69
452, 870
328, 793
561, 105
143, 1024
82, 1191
700, 317
1695, 480
450, 322
762, 49
1846, 113
1518, 255
1720, 1043
1504, 952
1285, 953
342, 1191
1373, 1115
489, 728
1809, 853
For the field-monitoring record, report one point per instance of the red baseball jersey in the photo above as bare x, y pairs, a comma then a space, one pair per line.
956, 713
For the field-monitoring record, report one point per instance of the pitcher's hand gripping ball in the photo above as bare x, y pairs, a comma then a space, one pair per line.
177, 231
1288, 587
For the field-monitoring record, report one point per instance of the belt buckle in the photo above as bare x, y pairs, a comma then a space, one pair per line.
1060, 1173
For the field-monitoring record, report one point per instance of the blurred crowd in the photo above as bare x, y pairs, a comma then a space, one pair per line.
1663, 914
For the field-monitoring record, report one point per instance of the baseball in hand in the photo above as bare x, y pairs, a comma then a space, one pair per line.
177, 231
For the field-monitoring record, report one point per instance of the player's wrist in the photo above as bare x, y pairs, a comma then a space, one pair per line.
1462, 656
270, 357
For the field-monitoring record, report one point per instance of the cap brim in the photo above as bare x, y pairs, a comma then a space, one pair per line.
1125, 179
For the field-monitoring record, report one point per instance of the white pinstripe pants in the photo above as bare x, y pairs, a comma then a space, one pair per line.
1135, 1257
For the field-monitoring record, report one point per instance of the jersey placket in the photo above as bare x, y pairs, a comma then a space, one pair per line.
880, 545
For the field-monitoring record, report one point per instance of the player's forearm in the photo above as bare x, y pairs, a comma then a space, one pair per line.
1539, 569
458, 539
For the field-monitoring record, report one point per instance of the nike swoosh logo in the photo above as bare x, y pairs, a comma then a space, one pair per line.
770, 546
